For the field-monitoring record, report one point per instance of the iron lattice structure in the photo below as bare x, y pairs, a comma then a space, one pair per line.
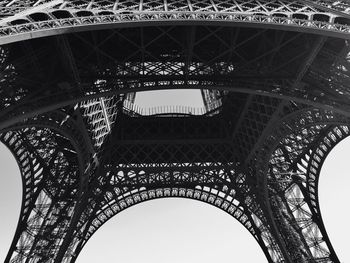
274, 77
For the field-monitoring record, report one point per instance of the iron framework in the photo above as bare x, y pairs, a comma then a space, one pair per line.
69, 72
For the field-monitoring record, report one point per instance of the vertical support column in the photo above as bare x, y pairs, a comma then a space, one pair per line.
290, 170
49, 177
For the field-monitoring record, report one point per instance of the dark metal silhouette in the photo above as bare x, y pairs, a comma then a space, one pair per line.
274, 77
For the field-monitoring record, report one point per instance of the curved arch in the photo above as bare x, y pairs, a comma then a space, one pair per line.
192, 220
295, 124
22, 164
319, 154
298, 120
250, 221
12, 118
10, 198
326, 95
53, 120
316, 160
332, 192
87, 21
32, 170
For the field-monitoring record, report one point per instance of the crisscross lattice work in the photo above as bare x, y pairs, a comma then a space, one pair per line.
273, 76
145, 63
33, 19
213, 186
292, 182
100, 114
50, 187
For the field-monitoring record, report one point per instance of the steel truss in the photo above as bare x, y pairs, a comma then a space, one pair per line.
272, 113
28, 19
291, 185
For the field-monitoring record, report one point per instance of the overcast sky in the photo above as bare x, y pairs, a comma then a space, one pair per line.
181, 230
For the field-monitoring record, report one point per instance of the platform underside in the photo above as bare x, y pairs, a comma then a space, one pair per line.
276, 102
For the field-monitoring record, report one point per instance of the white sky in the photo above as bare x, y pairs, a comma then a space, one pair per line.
180, 230
147, 99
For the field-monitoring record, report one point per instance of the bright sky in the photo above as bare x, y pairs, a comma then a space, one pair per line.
173, 97
180, 230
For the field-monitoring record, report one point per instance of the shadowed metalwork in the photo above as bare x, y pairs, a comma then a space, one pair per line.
274, 77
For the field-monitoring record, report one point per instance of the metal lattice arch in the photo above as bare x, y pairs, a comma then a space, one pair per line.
273, 111
47, 18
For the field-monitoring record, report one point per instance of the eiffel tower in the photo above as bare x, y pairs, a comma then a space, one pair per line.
274, 77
